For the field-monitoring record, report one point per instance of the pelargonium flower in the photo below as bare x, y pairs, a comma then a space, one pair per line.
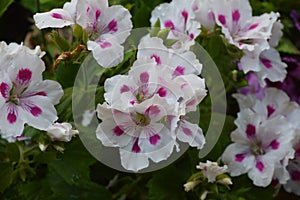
139, 133
61, 132
145, 112
107, 27
259, 146
211, 170
179, 17
25, 98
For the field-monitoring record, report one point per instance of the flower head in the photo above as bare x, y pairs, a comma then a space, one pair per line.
211, 170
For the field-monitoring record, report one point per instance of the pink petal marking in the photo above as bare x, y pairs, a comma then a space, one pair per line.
41, 93
35, 110
183, 85
154, 139
112, 26
162, 92
274, 144
118, 131
260, 166
192, 36
124, 88
4, 89
185, 15
157, 59
104, 45
222, 19
195, 7
97, 14
136, 148
169, 24
250, 130
152, 110
236, 15
187, 131
239, 157
295, 175
191, 103
12, 113
266, 62
179, 70
56, 16
132, 102
144, 77
271, 110
253, 26
24, 76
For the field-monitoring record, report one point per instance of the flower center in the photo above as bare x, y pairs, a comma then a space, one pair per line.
141, 120
256, 149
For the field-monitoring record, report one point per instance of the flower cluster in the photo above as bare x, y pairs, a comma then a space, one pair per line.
106, 27
147, 110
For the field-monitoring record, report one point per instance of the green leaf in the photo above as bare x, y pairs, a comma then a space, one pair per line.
13, 152
74, 164
167, 184
286, 46
4, 4
37, 189
6, 170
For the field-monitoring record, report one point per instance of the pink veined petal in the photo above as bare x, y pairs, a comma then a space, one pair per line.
23, 78
56, 18
12, 113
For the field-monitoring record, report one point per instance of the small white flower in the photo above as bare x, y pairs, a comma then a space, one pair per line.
211, 170
61, 132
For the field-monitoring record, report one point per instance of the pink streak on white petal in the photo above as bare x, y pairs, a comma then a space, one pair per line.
56, 16
274, 144
185, 15
136, 148
169, 24
118, 131
266, 62
112, 26
253, 26
124, 88
23, 76
179, 70
154, 139
12, 113
152, 111
157, 59
239, 157
222, 19
236, 16
260, 166
35, 110
4, 89
270, 110
250, 131
162, 92
144, 77
105, 45
187, 131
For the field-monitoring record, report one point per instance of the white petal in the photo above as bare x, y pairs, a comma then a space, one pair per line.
133, 161
56, 18
190, 133
108, 53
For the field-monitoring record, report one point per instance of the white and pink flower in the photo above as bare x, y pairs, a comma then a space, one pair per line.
259, 146
211, 170
61, 132
25, 98
179, 17
107, 27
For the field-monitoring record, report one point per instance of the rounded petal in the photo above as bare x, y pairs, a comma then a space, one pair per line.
133, 161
